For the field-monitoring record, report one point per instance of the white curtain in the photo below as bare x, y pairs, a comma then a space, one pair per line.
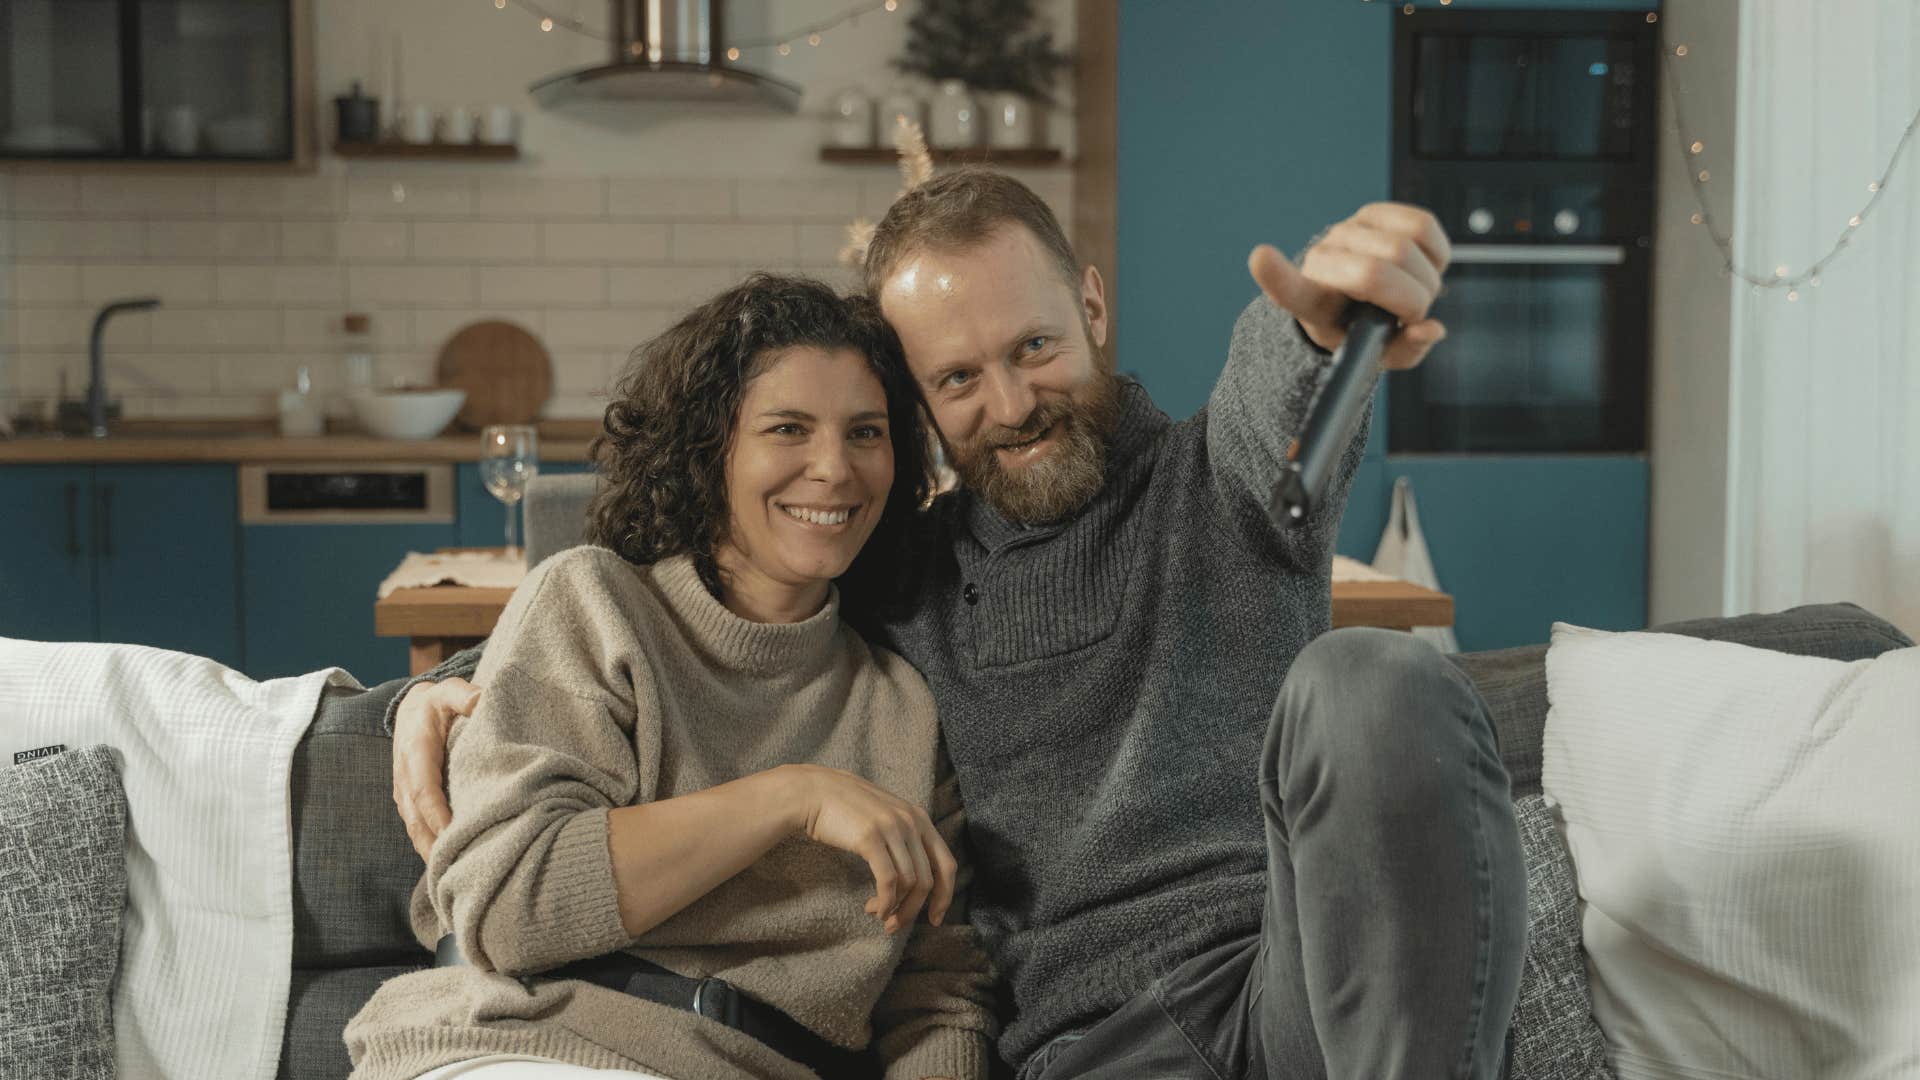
1824, 456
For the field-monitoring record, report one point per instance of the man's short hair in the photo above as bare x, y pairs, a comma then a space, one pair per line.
957, 211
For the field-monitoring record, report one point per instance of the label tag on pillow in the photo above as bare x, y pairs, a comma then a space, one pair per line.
25, 756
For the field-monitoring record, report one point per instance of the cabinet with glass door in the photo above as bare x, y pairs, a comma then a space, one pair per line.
161, 81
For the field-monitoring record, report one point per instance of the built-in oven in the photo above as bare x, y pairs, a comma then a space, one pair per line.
1530, 136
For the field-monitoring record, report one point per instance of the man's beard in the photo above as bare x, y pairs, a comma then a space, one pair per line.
1067, 478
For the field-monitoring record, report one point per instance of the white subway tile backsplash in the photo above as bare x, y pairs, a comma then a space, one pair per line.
46, 283
431, 327
474, 241
441, 286
218, 328
312, 240
820, 245
759, 245
797, 200
146, 196
573, 408
547, 286
150, 374
38, 374
66, 329
544, 197
607, 328
410, 197
215, 406
603, 242
580, 374
210, 239
256, 271
299, 198
272, 372
173, 283
45, 193
667, 286
372, 239
321, 327
306, 286
36, 238
661, 199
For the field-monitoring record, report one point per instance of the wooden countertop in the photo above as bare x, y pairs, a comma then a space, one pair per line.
244, 441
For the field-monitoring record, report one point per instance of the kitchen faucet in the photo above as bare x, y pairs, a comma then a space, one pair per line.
97, 389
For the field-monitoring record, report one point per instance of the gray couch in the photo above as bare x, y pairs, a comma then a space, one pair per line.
354, 870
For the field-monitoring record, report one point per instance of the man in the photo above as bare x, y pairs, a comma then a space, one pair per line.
1210, 838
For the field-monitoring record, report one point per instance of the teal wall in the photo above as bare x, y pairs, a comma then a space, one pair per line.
1240, 122
1250, 121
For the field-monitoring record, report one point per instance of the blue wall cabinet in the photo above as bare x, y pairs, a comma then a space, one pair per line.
134, 554
310, 591
46, 553
168, 572
1524, 542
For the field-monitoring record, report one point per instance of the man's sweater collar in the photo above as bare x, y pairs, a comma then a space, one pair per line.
1129, 459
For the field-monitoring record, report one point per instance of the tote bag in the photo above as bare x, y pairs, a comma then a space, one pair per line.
1403, 553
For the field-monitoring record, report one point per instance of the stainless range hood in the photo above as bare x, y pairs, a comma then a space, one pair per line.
667, 50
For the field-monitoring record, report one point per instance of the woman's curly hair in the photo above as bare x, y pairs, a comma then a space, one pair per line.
662, 455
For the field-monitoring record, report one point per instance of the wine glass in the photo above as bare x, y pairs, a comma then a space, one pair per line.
509, 457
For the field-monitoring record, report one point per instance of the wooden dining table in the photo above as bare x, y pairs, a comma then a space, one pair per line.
440, 620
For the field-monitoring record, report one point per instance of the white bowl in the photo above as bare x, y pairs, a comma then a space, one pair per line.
408, 414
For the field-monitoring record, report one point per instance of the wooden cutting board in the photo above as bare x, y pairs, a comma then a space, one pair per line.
504, 370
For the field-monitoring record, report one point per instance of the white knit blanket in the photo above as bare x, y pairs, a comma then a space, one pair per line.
205, 754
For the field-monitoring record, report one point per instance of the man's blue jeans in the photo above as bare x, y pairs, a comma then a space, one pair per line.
1395, 924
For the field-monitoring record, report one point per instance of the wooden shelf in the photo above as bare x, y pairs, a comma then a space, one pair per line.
974, 155
441, 151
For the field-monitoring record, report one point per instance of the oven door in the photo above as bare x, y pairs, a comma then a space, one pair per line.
1545, 352
1488, 87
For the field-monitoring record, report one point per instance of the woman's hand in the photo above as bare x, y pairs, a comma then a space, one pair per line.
420, 729
910, 862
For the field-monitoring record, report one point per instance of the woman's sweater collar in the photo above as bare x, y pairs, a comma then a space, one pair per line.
741, 644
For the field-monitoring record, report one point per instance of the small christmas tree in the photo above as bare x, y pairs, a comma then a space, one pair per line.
987, 44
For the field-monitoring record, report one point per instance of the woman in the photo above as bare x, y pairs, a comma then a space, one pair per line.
689, 785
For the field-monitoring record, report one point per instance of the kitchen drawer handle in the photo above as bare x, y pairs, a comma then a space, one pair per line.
73, 519
105, 503
1539, 254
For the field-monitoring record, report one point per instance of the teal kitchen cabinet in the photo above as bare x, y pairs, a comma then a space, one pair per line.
46, 553
134, 554
309, 592
1524, 542
168, 567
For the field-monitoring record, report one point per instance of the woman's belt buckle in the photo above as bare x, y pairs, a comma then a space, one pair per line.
716, 999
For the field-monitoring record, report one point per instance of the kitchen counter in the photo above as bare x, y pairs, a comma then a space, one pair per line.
246, 441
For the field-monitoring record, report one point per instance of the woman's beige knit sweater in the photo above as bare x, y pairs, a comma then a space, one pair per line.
607, 685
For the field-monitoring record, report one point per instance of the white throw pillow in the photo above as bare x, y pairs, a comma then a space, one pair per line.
1745, 831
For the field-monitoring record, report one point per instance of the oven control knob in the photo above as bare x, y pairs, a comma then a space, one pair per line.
1566, 223
1480, 221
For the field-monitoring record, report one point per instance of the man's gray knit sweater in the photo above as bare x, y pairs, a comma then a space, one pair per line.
1104, 685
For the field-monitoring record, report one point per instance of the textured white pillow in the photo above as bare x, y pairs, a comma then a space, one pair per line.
1745, 830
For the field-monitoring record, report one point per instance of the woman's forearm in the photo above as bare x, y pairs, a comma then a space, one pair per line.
668, 854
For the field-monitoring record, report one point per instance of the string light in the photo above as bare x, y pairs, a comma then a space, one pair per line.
812, 35
1699, 180
1780, 278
